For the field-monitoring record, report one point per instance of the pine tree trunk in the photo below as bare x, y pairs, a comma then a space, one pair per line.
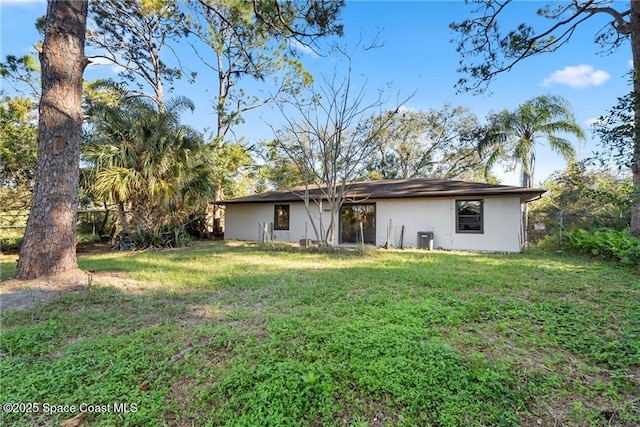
49, 245
635, 164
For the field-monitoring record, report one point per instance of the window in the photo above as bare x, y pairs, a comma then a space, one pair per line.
358, 224
469, 216
281, 217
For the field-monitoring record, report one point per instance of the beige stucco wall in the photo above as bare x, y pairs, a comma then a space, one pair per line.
243, 221
502, 216
501, 224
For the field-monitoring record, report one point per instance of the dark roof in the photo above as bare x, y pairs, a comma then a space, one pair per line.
397, 189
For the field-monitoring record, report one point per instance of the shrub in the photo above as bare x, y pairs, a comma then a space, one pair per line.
162, 237
605, 243
11, 243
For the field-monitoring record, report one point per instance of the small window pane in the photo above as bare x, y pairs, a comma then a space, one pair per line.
281, 217
469, 216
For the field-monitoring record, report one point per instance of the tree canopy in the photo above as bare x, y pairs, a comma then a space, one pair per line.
435, 143
146, 160
514, 135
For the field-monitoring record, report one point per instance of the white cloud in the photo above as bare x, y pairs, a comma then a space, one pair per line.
305, 49
100, 61
580, 76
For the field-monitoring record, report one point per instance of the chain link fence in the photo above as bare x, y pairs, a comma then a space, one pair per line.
551, 226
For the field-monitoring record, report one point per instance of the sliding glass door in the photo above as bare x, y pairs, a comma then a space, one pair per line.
358, 222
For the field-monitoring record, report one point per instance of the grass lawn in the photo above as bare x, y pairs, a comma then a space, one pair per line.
236, 335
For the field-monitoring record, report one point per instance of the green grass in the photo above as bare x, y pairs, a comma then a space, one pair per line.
239, 336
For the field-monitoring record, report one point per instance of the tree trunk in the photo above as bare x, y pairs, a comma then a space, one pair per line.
526, 181
218, 212
49, 245
635, 164
122, 217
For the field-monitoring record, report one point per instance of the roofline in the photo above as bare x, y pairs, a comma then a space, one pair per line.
289, 197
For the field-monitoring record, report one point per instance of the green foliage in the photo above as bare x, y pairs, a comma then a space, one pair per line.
612, 245
618, 133
230, 334
583, 198
161, 237
279, 171
19, 145
148, 160
512, 136
233, 167
10, 239
23, 74
436, 143
18, 154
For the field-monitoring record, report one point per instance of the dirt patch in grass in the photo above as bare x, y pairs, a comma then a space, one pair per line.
26, 294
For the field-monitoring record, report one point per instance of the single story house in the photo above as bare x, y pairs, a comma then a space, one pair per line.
454, 215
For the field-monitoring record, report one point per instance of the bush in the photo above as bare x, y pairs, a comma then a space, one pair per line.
10, 243
163, 237
608, 244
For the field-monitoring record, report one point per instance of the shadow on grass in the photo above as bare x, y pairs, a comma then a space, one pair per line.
242, 336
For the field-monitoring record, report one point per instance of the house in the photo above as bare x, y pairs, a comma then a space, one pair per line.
455, 215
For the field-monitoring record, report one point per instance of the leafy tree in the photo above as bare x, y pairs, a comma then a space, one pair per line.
19, 145
584, 198
254, 40
619, 134
278, 172
134, 34
18, 153
233, 165
330, 145
49, 245
148, 161
437, 143
616, 131
513, 135
488, 50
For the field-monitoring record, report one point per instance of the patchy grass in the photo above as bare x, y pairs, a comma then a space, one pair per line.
237, 335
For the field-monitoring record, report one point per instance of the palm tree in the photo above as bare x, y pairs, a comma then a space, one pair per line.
147, 160
514, 135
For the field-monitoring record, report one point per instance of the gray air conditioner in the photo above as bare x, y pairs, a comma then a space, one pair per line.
425, 240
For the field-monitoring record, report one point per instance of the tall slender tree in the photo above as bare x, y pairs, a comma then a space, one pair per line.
136, 35
513, 136
256, 40
49, 245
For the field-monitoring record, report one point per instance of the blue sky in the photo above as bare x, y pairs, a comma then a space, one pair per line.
416, 54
